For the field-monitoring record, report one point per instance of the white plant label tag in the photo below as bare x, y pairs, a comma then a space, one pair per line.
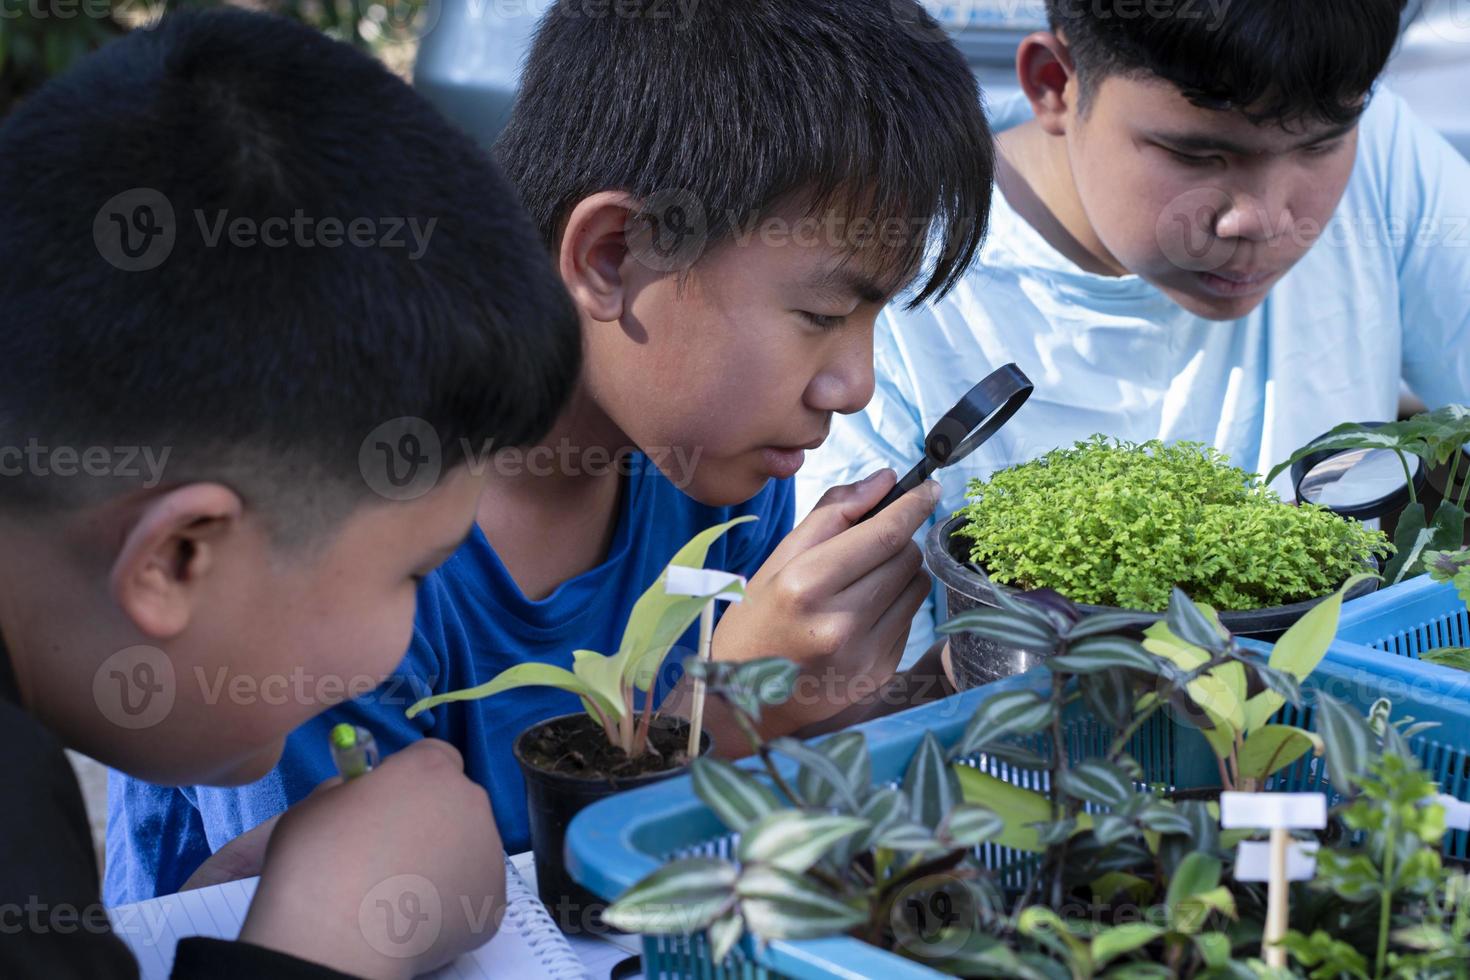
1456, 812
1253, 861
1269, 811
682, 580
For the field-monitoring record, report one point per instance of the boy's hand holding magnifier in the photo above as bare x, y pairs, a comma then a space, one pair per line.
839, 594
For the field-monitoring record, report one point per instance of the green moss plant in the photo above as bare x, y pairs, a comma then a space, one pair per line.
1114, 523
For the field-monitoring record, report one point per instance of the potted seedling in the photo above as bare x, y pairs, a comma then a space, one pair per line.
571, 761
1098, 873
1115, 526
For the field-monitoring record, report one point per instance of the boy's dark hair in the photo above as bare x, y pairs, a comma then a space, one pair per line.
859, 107
1277, 61
135, 321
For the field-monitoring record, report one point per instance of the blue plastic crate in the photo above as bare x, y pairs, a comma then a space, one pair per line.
1405, 621
618, 841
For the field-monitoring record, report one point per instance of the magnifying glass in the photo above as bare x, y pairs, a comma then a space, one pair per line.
977, 417
1359, 483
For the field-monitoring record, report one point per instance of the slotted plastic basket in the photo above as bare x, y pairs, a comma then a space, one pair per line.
1389, 631
615, 843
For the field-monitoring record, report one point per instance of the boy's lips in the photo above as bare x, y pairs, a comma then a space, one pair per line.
1232, 285
783, 462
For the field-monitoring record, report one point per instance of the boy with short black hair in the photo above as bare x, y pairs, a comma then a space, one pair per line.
1210, 228
730, 199
148, 617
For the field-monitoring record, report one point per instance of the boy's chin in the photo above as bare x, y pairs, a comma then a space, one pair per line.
1211, 306
250, 768
725, 483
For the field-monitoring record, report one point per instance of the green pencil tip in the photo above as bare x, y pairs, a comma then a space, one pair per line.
344, 736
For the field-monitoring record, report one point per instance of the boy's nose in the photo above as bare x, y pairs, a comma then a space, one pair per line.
845, 384
1256, 216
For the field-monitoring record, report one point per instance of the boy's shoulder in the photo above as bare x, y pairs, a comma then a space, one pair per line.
48, 869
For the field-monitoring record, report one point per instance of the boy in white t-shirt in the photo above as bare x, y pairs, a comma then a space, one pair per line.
1210, 227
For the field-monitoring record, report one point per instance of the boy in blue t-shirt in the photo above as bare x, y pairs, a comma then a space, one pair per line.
730, 198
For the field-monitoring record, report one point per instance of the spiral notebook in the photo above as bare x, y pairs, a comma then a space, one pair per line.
528, 943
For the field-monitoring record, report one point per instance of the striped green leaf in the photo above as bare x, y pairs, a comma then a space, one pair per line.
1112, 622
680, 898
794, 840
1188, 622
969, 825
1005, 628
777, 904
1096, 781
1007, 713
1347, 739
849, 753
930, 784
1105, 653
724, 933
737, 797
819, 765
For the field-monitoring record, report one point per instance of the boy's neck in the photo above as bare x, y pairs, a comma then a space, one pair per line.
551, 511
1034, 173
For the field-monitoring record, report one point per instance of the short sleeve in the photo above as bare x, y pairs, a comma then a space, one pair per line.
1426, 186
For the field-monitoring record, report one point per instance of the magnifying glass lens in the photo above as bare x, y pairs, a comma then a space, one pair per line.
1356, 478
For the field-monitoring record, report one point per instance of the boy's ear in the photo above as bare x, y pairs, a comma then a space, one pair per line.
1047, 76
167, 550
594, 253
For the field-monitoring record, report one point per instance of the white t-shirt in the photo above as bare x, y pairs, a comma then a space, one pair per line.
1383, 296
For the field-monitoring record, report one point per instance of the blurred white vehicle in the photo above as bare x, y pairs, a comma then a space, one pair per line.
469, 63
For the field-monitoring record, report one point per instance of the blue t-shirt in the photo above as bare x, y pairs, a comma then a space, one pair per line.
473, 622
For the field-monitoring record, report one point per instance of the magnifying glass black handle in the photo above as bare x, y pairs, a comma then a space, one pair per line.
911, 480
978, 416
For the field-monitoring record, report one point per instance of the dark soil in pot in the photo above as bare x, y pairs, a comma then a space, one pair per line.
977, 661
568, 765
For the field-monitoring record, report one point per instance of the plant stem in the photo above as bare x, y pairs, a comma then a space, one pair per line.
625, 724
1449, 486
1059, 758
1408, 477
1225, 780
607, 726
1121, 742
1385, 899
760, 748
640, 740
1464, 488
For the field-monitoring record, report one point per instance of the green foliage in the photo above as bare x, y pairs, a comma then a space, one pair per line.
43, 38
828, 852
1120, 524
607, 685
1451, 566
1396, 866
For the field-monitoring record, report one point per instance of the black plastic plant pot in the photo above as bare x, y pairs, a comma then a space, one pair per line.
554, 798
976, 661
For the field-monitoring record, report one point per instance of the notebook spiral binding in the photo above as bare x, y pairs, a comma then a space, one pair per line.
529, 917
